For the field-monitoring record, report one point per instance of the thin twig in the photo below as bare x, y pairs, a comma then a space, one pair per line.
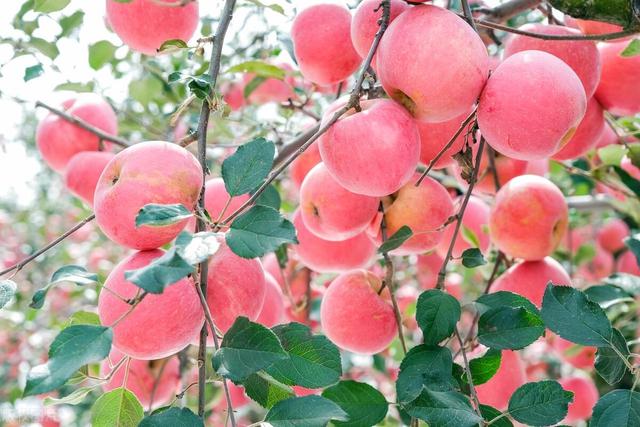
20, 265
84, 125
467, 372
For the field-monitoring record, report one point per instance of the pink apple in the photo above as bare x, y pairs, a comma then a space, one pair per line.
475, 223
216, 197
59, 140
233, 95
599, 267
581, 56
424, 209
144, 25
618, 91
83, 171
577, 355
585, 396
148, 172
612, 234
531, 105
530, 278
498, 390
330, 211
529, 218
587, 135
153, 382
325, 256
161, 324
428, 267
373, 152
354, 316
272, 89
628, 263
301, 166
417, 67
364, 25
322, 43
272, 312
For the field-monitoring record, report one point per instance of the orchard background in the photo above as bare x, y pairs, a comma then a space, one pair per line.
306, 213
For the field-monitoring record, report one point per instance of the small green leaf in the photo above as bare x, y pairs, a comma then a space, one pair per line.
119, 408
172, 417
265, 390
313, 361
364, 405
509, 328
424, 367
73, 348
254, 84
173, 44
74, 398
259, 68
308, 411
609, 365
470, 236
570, 314
48, 6
258, 231
160, 215
160, 273
74, 274
45, 47
627, 282
83, 318
485, 367
437, 314
618, 408
611, 154
605, 294
472, 258
247, 168
247, 348
38, 298
101, 53
200, 86
7, 291
70, 23
443, 408
541, 403
32, 72
632, 49
396, 240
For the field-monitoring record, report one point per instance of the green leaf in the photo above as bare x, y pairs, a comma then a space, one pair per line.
7, 291
627, 282
443, 408
609, 364
632, 49
364, 405
172, 417
472, 258
633, 243
437, 313
117, 408
47, 48
258, 231
605, 294
424, 367
247, 168
259, 68
504, 299
611, 154
313, 361
396, 240
254, 84
74, 274
490, 413
265, 390
509, 328
541, 403
83, 318
32, 72
47, 6
269, 197
570, 314
160, 273
74, 398
247, 348
470, 236
619, 408
308, 411
160, 215
200, 86
70, 23
101, 53
173, 44
73, 348
485, 367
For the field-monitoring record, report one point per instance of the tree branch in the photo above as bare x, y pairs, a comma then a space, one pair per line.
84, 125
